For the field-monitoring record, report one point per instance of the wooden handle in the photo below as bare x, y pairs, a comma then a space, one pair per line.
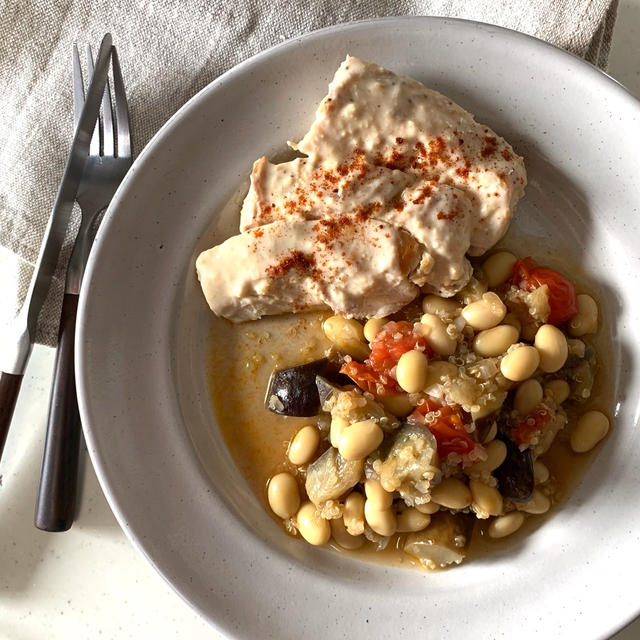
9, 388
56, 503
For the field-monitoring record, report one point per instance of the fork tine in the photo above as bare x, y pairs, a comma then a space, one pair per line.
94, 147
121, 108
78, 87
108, 141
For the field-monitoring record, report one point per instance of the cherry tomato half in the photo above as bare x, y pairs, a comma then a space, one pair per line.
374, 374
447, 428
563, 303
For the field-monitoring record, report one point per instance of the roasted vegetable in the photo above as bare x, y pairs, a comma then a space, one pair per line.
515, 474
325, 389
293, 391
330, 476
445, 541
580, 374
407, 463
353, 405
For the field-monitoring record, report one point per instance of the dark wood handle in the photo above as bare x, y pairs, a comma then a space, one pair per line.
9, 389
56, 503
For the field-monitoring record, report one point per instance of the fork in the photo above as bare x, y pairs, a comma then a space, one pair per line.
107, 163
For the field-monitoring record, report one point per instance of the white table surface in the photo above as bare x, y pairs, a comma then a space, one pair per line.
90, 582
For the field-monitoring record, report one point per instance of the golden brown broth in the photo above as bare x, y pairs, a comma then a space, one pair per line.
242, 359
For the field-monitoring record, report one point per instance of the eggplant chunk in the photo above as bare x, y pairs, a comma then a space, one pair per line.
515, 474
326, 390
293, 391
445, 541
408, 463
330, 476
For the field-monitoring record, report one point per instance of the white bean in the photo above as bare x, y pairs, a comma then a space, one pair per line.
353, 514
503, 526
372, 327
435, 333
559, 390
314, 529
576, 347
498, 267
440, 306
486, 500
494, 342
342, 536
591, 427
538, 504
304, 445
376, 495
540, 472
496, 454
551, 344
452, 494
438, 371
411, 371
383, 522
485, 313
409, 519
348, 335
400, 405
472, 291
360, 439
527, 397
520, 362
338, 425
428, 508
283, 495
586, 320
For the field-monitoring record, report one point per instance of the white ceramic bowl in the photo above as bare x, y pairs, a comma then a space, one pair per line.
143, 332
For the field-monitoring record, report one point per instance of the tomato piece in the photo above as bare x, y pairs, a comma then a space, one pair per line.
533, 423
392, 341
563, 303
368, 379
447, 428
374, 374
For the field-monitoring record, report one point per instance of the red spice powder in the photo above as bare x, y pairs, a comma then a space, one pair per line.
463, 172
328, 230
489, 148
295, 260
425, 192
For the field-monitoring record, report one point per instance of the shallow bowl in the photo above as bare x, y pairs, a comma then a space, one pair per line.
144, 335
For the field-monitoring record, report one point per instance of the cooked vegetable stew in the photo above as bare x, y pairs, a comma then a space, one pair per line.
426, 422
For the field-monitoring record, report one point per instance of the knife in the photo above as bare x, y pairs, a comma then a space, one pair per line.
19, 342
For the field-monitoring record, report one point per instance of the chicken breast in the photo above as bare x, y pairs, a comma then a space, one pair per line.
398, 185
355, 267
398, 123
301, 190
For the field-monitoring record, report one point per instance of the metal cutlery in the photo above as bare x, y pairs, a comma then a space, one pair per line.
15, 353
108, 161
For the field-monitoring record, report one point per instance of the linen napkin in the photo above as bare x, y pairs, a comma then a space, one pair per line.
169, 50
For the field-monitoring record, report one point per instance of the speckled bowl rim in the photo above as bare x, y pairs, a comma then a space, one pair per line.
85, 365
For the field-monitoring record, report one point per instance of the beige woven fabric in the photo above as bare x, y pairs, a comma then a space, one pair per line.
169, 50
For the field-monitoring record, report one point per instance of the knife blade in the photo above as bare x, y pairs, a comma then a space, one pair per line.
21, 334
